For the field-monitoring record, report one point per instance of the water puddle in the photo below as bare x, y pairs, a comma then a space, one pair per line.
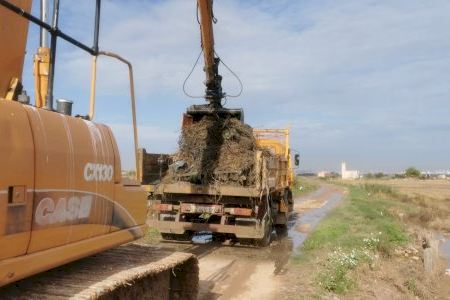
445, 249
307, 219
309, 211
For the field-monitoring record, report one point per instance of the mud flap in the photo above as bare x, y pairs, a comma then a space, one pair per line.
265, 241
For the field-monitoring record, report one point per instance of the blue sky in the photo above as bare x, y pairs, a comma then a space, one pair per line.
363, 81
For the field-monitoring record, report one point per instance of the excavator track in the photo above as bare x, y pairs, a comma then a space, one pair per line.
131, 271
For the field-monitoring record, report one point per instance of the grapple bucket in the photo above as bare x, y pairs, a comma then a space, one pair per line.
197, 112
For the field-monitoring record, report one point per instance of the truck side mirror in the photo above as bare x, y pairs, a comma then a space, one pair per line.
297, 159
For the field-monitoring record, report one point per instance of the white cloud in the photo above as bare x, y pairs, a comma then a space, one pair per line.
357, 79
153, 138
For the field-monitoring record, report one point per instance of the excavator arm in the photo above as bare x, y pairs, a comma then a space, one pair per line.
12, 51
213, 80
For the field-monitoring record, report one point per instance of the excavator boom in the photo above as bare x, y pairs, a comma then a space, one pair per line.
207, 34
213, 80
12, 52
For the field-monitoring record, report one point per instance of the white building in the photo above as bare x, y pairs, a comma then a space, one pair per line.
323, 174
348, 174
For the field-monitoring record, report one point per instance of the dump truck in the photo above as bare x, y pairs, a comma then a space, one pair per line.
62, 195
246, 214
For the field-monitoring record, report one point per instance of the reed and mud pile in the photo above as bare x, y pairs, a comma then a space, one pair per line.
215, 150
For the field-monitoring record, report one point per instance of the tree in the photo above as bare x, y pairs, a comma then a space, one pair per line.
379, 175
412, 172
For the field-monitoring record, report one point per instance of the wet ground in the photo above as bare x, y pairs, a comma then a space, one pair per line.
237, 272
445, 249
310, 210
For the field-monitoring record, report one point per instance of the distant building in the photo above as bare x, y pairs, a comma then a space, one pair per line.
323, 174
306, 174
438, 174
348, 174
327, 174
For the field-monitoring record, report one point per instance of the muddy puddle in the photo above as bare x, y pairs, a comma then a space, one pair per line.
445, 250
310, 210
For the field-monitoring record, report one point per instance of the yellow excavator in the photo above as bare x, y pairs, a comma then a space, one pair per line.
62, 195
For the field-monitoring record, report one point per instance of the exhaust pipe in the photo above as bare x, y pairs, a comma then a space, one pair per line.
64, 106
51, 74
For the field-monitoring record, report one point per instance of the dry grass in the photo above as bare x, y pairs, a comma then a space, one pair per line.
433, 189
428, 201
370, 247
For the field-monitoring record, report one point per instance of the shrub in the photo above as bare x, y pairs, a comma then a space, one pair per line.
412, 172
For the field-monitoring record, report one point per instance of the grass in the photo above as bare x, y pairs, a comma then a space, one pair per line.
439, 190
362, 213
355, 233
411, 285
304, 185
427, 204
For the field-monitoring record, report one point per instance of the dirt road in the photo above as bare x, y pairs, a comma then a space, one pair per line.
235, 272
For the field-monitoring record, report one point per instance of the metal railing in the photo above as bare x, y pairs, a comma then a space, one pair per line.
55, 32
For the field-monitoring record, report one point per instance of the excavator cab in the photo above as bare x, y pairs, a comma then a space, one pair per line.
213, 81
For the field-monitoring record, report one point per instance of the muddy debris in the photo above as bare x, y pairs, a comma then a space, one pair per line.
214, 151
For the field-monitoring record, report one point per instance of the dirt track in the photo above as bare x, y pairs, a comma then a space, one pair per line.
235, 272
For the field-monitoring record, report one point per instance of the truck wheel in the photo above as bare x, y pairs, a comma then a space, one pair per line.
289, 199
265, 241
262, 242
186, 236
281, 230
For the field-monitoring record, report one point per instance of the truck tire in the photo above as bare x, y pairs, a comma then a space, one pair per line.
282, 231
266, 239
282, 218
262, 242
289, 199
186, 236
